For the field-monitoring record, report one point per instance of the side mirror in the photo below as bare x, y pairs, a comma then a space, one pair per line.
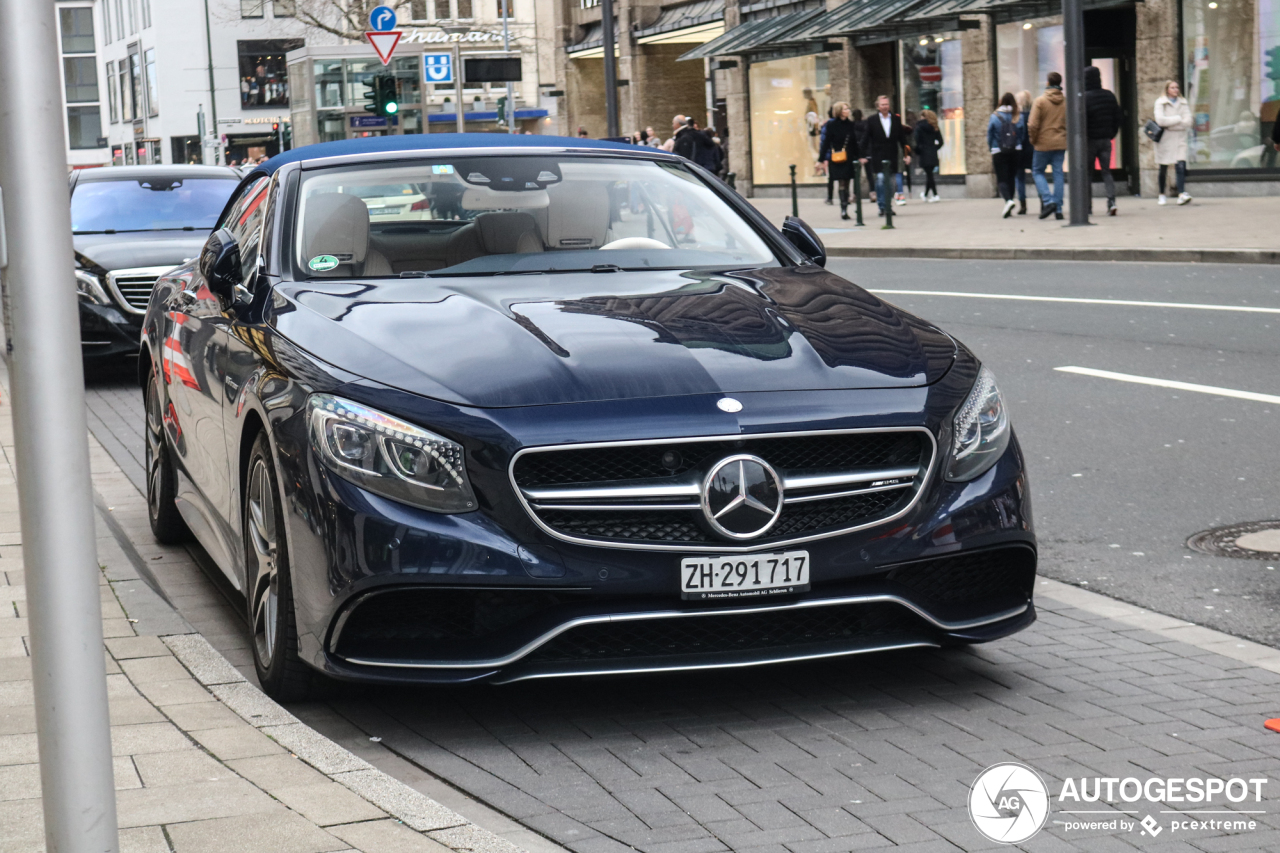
804, 238
220, 264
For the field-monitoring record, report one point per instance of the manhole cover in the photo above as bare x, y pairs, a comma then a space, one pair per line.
1253, 540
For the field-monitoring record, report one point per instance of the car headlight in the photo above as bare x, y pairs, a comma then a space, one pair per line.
388, 456
981, 430
89, 287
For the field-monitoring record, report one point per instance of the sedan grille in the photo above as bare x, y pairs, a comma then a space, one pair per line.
132, 287
648, 494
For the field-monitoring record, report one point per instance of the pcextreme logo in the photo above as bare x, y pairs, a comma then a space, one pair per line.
1009, 803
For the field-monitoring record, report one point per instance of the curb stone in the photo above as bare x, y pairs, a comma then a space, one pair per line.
410, 807
1182, 256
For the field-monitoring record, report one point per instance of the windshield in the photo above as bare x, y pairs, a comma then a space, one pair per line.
149, 204
517, 214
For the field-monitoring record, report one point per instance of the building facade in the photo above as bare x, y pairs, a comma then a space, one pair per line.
780, 65
142, 78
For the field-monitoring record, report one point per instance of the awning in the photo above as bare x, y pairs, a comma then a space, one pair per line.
754, 34
688, 23
591, 45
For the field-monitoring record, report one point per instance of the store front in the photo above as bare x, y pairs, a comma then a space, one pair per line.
932, 78
790, 99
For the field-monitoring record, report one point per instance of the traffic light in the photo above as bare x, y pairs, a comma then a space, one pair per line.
382, 96
1273, 63
502, 112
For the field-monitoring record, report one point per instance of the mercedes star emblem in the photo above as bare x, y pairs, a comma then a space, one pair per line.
742, 497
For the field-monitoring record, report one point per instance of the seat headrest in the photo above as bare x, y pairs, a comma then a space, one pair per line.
578, 217
501, 233
336, 224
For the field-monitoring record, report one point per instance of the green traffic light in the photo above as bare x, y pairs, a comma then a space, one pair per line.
392, 107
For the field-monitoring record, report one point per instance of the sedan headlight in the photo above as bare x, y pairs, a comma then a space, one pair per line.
981, 430
388, 456
89, 287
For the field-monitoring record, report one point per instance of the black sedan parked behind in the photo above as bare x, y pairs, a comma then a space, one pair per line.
130, 224
476, 407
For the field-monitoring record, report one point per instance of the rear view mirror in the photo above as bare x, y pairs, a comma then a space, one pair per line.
220, 264
804, 238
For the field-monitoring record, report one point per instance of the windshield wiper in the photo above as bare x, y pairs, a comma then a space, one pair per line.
136, 230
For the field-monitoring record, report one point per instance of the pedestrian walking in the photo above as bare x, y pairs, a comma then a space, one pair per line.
1173, 113
843, 151
677, 124
1047, 130
707, 153
1102, 120
1002, 139
885, 135
582, 133
688, 141
823, 166
928, 139
1026, 153
651, 138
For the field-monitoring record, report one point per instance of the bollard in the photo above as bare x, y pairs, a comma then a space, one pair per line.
795, 201
885, 194
732, 180
857, 192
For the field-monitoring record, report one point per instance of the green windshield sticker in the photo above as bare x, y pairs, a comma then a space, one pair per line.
320, 263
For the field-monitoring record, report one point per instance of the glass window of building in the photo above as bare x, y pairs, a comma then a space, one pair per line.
127, 112
464, 9
113, 107
80, 73
332, 126
789, 103
252, 8
328, 82
131, 6
933, 79
106, 22
1026, 51
135, 83
84, 126
505, 5
1232, 53
264, 75
418, 10
77, 29
284, 8
153, 88
146, 14
442, 10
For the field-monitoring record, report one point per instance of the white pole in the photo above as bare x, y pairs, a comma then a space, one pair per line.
457, 84
506, 48
51, 442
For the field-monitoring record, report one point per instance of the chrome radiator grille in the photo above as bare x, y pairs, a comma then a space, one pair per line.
648, 494
132, 287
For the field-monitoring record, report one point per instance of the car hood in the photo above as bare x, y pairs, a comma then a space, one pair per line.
544, 339
139, 248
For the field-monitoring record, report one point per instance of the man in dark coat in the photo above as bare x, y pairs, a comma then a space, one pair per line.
1102, 120
885, 134
689, 141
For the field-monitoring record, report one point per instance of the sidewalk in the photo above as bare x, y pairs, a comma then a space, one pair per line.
1229, 230
204, 762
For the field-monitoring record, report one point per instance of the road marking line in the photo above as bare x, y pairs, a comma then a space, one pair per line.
1169, 383
1082, 301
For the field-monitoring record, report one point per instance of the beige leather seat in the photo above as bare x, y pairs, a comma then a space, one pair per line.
496, 233
338, 224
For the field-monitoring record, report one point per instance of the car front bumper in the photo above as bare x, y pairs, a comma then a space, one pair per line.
388, 593
105, 331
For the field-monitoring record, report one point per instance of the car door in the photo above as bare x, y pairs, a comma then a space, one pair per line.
194, 369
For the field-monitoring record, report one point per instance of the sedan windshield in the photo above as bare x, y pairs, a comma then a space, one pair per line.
518, 214
149, 204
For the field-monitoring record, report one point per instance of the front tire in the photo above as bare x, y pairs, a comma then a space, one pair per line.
167, 525
273, 632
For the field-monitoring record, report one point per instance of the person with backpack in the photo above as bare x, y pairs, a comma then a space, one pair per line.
1023, 165
1002, 139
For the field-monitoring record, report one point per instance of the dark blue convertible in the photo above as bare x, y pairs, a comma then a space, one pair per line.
479, 407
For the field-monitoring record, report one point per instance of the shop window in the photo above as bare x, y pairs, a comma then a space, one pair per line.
1026, 51
789, 102
186, 149
153, 89
933, 79
1232, 53
113, 107
264, 75
84, 126
80, 74
252, 8
77, 29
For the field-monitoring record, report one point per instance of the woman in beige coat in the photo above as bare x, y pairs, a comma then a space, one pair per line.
1173, 113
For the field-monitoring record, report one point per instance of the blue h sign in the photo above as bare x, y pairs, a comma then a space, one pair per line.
437, 67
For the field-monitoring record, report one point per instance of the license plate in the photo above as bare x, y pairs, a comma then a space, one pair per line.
747, 576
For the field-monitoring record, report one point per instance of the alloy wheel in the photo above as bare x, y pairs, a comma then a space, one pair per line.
155, 449
263, 536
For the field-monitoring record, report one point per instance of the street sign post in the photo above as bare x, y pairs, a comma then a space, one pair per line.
51, 448
382, 33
